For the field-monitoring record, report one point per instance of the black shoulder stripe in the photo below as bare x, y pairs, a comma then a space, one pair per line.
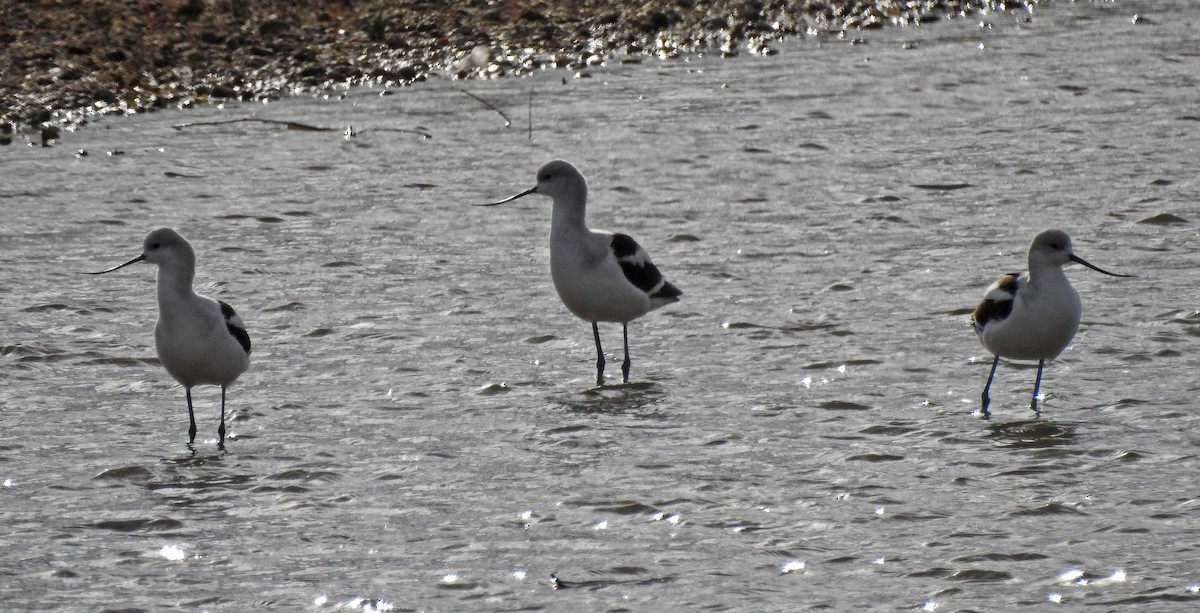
996, 310
242, 337
624, 246
238, 332
1008, 282
667, 291
990, 310
638, 268
644, 276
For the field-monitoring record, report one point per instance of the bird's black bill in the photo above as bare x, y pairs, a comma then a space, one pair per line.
133, 261
1079, 260
531, 190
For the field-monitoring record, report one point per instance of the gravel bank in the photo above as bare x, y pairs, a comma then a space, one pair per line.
64, 61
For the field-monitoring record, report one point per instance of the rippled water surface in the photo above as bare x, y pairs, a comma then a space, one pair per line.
419, 429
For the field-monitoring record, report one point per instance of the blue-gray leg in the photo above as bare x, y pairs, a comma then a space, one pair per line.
221, 428
1036, 386
986, 399
191, 416
625, 365
599, 355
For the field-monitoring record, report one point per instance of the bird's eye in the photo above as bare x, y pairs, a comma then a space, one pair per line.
155, 246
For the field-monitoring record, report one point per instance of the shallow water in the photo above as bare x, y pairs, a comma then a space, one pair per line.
418, 429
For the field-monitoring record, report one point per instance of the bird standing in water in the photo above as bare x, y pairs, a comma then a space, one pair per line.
599, 275
1032, 315
200, 341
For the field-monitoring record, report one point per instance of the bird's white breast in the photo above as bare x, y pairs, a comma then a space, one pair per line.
194, 343
589, 280
1043, 321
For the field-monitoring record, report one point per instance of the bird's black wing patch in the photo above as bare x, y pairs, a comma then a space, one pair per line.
998, 302
624, 246
636, 265
235, 326
667, 291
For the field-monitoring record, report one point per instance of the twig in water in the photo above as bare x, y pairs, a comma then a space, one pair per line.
418, 131
507, 121
349, 132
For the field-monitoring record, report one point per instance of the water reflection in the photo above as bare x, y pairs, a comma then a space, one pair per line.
1031, 434
195, 458
640, 399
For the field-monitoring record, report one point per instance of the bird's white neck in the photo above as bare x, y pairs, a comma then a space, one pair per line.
1046, 275
1050, 284
569, 213
175, 284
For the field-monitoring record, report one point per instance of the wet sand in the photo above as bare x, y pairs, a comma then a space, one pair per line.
63, 62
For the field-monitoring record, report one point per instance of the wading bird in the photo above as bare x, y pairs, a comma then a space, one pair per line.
1032, 315
200, 341
600, 276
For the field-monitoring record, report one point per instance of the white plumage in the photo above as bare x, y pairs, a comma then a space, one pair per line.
1035, 314
599, 275
200, 341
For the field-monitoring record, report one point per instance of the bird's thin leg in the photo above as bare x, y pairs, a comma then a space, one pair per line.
1036, 386
986, 399
221, 428
625, 365
599, 355
191, 417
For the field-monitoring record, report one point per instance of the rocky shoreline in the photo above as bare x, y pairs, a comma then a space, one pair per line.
63, 62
